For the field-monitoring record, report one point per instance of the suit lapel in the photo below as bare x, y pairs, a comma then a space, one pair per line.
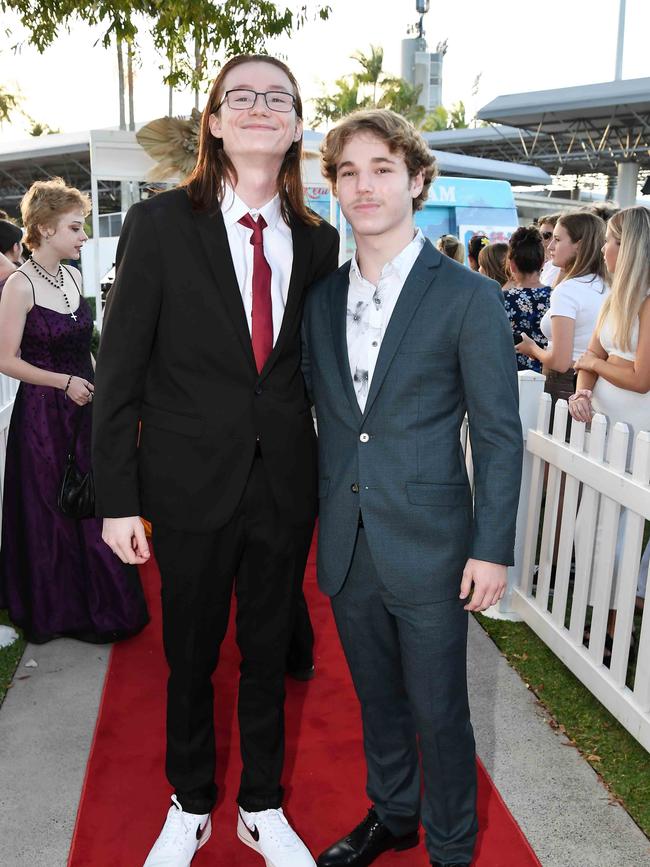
338, 313
212, 232
420, 278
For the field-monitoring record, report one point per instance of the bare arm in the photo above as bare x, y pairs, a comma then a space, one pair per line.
632, 377
560, 355
15, 304
580, 407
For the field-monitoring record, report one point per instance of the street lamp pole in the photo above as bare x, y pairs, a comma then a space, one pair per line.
620, 41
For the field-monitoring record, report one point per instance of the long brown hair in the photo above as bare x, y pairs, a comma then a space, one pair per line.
588, 231
206, 185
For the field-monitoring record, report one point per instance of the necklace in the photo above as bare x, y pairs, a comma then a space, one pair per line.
55, 280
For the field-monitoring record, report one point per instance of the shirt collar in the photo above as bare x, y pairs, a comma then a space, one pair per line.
233, 209
400, 265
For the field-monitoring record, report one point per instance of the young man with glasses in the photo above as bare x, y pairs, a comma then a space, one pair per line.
206, 356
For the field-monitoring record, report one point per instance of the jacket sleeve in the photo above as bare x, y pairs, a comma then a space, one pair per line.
127, 340
489, 378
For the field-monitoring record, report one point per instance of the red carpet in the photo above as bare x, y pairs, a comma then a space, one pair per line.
126, 796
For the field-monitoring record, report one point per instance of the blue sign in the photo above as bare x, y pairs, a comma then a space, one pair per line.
470, 193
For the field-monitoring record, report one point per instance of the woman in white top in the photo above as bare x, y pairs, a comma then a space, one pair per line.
614, 371
576, 300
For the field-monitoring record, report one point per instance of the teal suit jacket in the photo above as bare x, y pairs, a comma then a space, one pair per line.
447, 351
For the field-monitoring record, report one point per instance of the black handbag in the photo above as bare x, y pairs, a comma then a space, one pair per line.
77, 492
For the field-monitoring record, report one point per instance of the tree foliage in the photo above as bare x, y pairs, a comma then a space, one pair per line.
344, 100
386, 91
441, 118
185, 32
402, 96
8, 104
373, 67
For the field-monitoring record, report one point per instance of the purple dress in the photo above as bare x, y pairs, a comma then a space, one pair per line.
57, 576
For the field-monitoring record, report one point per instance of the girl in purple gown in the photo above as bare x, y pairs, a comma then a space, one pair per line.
57, 576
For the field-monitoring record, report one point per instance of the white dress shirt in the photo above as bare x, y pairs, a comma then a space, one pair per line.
369, 310
278, 251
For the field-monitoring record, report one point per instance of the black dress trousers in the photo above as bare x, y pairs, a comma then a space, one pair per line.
264, 556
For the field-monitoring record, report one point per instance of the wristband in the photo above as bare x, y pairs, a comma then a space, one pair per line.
67, 386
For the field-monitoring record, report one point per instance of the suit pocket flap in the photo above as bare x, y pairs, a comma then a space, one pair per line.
323, 487
427, 494
186, 425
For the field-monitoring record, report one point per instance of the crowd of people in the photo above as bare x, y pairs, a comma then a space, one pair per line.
228, 320
575, 287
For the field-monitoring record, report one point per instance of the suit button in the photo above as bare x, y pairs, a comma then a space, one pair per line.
364, 437
258, 389
355, 488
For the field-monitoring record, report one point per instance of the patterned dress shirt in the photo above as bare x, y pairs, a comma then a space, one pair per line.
369, 310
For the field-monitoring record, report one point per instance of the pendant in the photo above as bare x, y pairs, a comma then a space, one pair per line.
74, 316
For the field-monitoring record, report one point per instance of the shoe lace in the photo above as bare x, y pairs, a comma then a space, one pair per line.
276, 825
176, 828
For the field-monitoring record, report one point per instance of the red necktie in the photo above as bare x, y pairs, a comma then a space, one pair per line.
262, 315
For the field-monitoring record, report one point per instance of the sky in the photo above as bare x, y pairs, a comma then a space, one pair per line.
515, 46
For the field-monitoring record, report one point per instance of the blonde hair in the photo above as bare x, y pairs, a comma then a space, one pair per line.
493, 260
451, 246
44, 203
631, 280
398, 134
588, 231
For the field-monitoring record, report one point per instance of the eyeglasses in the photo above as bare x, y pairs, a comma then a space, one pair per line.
547, 235
276, 100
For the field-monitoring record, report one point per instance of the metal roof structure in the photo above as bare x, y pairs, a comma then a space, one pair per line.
61, 154
69, 155
589, 129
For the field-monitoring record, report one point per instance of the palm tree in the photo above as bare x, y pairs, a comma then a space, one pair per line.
457, 116
436, 120
343, 101
402, 96
372, 65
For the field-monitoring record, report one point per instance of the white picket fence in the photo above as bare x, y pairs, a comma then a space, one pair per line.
569, 558
8, 389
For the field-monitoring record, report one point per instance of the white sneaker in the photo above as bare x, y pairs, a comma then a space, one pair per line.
269, 834
181, 836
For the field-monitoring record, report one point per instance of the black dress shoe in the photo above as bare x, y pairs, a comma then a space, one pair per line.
368, 841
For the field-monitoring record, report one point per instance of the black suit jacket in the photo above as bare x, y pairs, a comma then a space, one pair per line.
176, 355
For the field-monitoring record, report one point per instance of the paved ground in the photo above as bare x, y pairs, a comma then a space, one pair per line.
47, 722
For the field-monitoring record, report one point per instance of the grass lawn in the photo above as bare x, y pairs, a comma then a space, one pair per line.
617, 757
9, 659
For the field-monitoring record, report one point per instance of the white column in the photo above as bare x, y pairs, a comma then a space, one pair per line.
93, 284
626, 185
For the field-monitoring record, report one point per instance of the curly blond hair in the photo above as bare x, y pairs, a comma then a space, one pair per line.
399, 135
44, 203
